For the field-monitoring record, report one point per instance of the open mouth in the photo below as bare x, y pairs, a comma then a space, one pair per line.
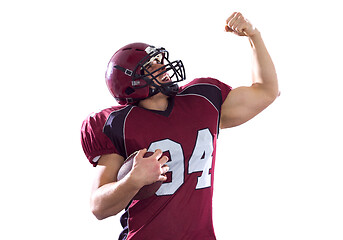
165, 78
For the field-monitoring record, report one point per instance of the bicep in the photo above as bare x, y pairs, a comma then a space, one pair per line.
242, 104
107, 169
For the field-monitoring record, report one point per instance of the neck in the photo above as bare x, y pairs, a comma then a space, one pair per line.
158, 102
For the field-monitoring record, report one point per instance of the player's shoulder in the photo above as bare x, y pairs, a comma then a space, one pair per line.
99, 118
104, 113
120, 112
94, 142
211, 89
203, 82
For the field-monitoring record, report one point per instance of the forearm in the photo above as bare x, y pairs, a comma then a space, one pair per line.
263, 70
111, 198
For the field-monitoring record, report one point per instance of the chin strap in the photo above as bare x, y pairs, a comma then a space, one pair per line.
169, 89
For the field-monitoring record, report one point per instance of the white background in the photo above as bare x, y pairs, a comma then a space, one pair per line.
278, 176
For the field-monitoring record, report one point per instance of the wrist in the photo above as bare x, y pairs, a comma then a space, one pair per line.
133, 182
255, 34
255, 38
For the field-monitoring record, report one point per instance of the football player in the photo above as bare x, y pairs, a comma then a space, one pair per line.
180, 125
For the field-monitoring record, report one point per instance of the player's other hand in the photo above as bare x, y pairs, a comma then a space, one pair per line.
240, 26
147, 170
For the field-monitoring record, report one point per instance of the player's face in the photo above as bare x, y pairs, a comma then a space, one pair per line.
157, 65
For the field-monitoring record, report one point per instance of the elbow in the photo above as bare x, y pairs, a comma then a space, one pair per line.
272, 95
101, 213
98, 213
268, 98
277, 94
98, 216
276, 91
96, 209
271, 89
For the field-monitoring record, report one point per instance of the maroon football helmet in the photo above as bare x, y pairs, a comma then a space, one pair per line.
129, 80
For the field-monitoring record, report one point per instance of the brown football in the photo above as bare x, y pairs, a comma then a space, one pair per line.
146, 191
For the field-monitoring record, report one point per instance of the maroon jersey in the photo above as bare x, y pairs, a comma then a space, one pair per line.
187, 131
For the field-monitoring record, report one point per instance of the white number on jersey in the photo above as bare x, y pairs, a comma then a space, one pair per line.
200, 161
176, 166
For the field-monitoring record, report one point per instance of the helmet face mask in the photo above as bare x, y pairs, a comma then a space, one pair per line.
129, 78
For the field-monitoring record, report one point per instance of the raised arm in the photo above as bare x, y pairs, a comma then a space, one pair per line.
244, 103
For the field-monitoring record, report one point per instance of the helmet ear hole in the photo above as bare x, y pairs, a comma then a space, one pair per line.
129, 90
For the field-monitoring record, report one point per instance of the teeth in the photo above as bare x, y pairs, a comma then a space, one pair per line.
165, 78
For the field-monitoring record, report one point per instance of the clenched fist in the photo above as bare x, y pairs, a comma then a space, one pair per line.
240, 26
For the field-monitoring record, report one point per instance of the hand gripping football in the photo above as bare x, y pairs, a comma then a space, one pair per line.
146, 191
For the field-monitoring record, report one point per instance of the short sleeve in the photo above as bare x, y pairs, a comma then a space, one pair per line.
224, 88
94, 142
213, 89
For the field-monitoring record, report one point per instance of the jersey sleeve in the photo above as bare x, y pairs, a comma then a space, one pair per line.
213, 89
94, 142
224, 88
